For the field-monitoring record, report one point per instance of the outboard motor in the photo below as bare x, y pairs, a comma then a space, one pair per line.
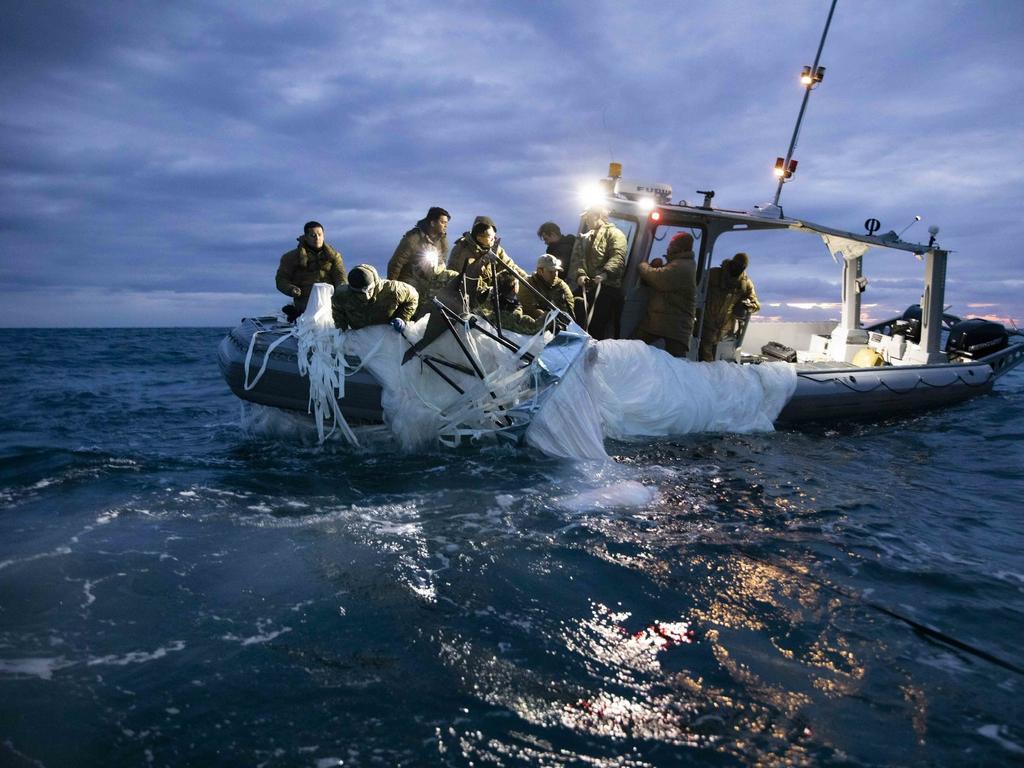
910, 326
974, 338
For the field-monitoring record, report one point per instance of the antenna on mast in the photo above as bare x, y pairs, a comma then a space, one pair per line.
809, 78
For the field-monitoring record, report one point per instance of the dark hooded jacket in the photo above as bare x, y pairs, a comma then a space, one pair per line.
388, 299
413, 243
726, 292
562, 250
302, 267
672, 296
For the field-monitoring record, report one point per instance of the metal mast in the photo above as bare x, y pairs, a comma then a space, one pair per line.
810, 77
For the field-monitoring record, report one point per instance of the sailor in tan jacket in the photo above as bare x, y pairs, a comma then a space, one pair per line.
430, 232
313, 261
546, 284
672, 296
599, 260
731, 295
472, 253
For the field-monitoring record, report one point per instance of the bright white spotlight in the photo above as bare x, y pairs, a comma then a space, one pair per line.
591, 195
646, 204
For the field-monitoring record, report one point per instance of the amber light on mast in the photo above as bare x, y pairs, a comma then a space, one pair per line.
810, 76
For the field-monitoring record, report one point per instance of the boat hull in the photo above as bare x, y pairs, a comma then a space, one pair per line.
823, 394
865, 394
281, 385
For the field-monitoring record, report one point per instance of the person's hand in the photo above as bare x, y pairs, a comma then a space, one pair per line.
657, 262
296, 291
581, 281
398, 324
600, 278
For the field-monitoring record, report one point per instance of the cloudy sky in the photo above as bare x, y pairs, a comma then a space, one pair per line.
156, 159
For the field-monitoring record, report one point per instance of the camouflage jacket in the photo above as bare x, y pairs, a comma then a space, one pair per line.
558, 293
301, 267
413, 243
390, 299
466, 251
600, 251
725, 293
512, 319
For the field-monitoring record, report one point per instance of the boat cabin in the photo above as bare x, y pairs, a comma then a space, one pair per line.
649, 218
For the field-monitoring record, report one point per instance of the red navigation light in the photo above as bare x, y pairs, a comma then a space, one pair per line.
655, 215
782, 171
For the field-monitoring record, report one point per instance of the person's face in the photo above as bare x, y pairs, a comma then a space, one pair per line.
592, 220
315, 238
547, 274
549, 238
440, 226
486, 238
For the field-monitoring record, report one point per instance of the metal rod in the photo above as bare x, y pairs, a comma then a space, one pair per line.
429, 363
475, 325
803, 107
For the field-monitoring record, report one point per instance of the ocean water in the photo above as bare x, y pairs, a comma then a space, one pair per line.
185, 584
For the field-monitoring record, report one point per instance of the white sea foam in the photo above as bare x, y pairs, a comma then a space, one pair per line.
137, 657
998, 734
90, 598
9, 745
262, 634
107, 517
264, 421
619, 495
1010, 576
56, 552
42, 668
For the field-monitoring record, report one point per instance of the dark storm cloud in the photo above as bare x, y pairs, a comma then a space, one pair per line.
158, 158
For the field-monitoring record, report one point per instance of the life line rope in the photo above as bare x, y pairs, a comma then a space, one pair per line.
881, 384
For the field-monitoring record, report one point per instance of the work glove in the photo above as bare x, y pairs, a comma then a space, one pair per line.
398, 324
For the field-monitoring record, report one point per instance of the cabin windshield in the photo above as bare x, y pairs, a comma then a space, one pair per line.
664, 233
